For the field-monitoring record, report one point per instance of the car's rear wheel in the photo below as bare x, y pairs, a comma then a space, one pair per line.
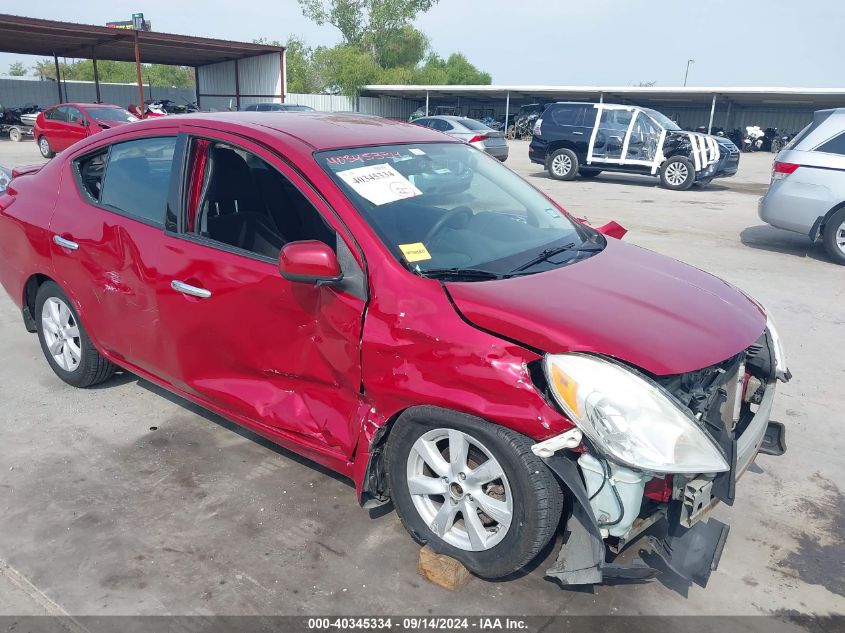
677, 173
15, 135
563, 164
65, 342
472, 490
44, 148
589, 173
834, 236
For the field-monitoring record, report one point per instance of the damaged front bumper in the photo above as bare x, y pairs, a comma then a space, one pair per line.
678, 530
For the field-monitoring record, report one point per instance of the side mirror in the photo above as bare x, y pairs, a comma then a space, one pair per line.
81, 121
309, 262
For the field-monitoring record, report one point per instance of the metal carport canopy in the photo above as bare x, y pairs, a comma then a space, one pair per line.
817, 98
33, 36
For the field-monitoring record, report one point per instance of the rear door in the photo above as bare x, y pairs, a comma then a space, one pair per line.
278, 356
107, 231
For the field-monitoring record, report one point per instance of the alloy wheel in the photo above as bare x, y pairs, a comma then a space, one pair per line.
44, 146
61, 333
561, 164
459, 489
676, 174
839, 237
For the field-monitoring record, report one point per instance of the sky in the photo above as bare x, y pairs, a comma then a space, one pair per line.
559, 42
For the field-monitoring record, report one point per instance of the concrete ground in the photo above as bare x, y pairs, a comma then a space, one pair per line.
124, 499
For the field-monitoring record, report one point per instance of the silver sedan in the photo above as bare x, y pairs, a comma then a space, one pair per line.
471, 131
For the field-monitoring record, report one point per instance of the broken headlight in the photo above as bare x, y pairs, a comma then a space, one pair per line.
628, 417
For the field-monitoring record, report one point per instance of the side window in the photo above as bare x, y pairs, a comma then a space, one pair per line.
137, 179
89, 171
247, 204
423, 122
623, 118
440, 125
565, 115
60, 114
73, 115
262, 107
589, 117
836, 145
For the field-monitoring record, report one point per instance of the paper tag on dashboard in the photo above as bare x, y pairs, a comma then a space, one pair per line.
379, 184
416, 252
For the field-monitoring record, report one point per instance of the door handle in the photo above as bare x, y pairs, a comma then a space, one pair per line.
578, 134
60, 241
193, 291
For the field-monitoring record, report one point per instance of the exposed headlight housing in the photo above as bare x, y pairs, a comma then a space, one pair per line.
630, 418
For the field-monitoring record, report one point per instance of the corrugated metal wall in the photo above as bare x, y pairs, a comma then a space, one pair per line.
260, 79
18, 92
388, 107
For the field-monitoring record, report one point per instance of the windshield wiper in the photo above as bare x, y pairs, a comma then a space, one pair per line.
557, 250
466, 273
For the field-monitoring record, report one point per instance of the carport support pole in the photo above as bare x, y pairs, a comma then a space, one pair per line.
507, 112
96, 80
712, 112
58, 77
237, 87
426, 103
138, 72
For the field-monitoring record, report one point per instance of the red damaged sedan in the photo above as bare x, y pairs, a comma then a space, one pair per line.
61, 126
396, 305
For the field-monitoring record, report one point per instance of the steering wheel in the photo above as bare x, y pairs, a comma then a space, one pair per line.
445, 219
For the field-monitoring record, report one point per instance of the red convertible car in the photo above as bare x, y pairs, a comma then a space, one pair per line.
396, 305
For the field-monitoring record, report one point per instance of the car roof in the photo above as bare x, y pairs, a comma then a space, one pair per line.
319, 130
82, 104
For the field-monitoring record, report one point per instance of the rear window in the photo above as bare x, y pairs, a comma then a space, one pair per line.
111, 114
473, 125
836, 145
818, 119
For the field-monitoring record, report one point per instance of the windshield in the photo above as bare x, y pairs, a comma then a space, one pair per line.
110, 114
661, 119
447, 209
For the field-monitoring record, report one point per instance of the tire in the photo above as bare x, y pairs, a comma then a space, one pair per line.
677, 173
15, 135
528, 499
76, 362
589, 173
563, 164
834, 236
44, 148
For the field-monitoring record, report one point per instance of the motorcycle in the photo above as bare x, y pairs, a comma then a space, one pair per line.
753, 139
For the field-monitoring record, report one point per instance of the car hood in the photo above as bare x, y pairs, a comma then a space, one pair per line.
626, 302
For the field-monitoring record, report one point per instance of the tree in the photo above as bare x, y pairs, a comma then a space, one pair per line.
118, 72
406, 47
454, 71
346, 68
17, 69
303, 76
360, 19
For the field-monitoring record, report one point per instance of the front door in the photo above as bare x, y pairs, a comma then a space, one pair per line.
277, 355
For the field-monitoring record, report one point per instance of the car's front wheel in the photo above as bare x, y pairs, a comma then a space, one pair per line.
834, 236
472, 490
44, 147
64, 341
677, 173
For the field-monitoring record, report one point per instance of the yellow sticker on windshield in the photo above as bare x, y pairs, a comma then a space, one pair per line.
415, 252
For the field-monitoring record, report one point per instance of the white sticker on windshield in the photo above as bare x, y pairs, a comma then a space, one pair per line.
379, 184
416, 151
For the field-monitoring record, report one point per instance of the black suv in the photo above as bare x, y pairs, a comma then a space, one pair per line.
588, 138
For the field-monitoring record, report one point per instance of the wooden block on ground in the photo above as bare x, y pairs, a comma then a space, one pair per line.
442, 570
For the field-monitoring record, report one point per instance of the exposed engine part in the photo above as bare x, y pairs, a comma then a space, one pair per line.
615, 493
695, 500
